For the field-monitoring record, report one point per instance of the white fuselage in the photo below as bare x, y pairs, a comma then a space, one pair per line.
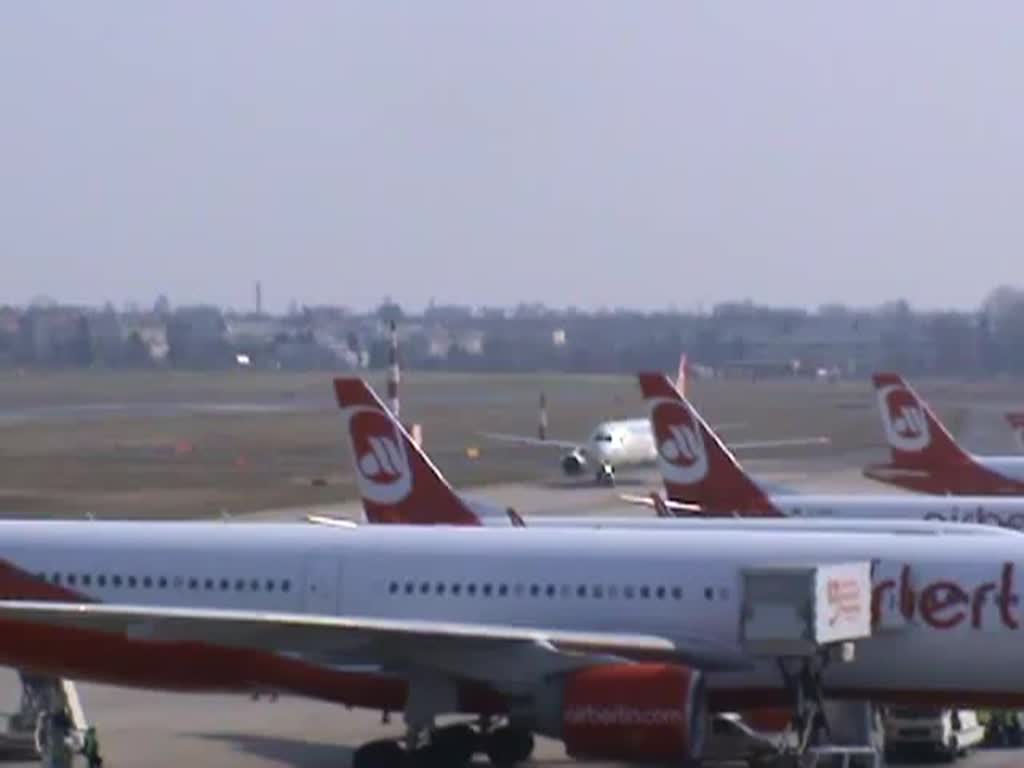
622, 443
951, 597
1011, 467
1007, 511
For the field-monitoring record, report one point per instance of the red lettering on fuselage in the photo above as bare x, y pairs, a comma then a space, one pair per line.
937, 599
1007, 598
945, 603
978, 602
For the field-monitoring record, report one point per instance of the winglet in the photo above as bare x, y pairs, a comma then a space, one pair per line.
397, 482
681, 375
916, 437
660, 507
695, 465
1016, 421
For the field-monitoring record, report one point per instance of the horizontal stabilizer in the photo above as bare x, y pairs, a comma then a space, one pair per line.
677, 508
789, 442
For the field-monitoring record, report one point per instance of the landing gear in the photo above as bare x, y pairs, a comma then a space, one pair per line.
508, 746
455, 744
379, 754
605, 475
952, 750
451, 746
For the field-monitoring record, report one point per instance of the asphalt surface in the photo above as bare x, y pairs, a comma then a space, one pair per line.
140, 729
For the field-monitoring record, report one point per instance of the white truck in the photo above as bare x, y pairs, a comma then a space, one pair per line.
948, 733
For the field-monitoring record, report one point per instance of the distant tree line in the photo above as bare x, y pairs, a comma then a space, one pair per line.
733, 338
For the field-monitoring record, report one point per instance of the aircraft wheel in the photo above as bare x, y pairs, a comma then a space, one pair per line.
605, 476
454, 745
508, 746
952, 751
379, 754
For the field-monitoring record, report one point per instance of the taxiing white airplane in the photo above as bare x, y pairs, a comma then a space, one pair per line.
926, 457
699, 470
398, 483
619, 443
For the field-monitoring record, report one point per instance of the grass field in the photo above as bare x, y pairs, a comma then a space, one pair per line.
126, 445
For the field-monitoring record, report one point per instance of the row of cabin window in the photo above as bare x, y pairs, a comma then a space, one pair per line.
162, 582
597, 591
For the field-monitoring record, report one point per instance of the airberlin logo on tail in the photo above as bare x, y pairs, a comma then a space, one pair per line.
681, 455
906, 427
382, 466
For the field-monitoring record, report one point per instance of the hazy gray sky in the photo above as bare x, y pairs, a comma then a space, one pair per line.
584, 153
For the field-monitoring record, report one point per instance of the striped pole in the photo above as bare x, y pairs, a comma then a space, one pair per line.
393, 373
542, 418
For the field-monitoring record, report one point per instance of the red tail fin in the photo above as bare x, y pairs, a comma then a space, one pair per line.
694, 464
397, 482
917, 439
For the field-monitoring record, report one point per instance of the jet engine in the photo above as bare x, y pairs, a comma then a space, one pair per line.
629, 712
574, 464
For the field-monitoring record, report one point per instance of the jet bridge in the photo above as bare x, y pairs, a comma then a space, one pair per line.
797, 611
805, 617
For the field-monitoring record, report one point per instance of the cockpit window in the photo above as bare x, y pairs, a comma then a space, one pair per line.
602, 437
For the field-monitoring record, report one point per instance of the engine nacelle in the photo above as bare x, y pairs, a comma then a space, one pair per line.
630, 712
574, 464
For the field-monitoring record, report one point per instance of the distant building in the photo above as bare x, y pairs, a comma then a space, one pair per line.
253, 330
197, 337
106, 336
148, 335
48, 335
469, 342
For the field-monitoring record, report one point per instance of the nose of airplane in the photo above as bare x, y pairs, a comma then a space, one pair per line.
604, 449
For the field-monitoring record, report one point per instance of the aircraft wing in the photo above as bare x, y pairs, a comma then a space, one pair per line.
526, 440
664, 507
784, 443
331, 522
466, 648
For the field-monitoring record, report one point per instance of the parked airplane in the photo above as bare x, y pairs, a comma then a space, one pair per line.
698, 469
619, 443
398, 483
615, 642
926, 458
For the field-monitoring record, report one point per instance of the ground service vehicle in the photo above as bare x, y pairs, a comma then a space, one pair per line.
945, 732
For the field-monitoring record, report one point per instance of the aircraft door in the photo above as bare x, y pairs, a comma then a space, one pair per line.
323, 581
